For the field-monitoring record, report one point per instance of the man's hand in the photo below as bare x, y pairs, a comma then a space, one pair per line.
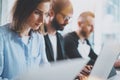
86, 70
83, 75
117, 64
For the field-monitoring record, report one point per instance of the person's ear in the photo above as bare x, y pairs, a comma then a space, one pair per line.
79, 23
51, 13
92, 28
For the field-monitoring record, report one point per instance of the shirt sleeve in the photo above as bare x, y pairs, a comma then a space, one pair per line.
1, 55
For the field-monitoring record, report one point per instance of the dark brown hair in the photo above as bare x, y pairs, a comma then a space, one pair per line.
22, 9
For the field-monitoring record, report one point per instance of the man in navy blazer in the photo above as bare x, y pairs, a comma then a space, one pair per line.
59, 15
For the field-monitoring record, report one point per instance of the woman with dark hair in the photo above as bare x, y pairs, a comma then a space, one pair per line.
21, 45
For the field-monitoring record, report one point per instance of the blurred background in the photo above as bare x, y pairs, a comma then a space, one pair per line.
107, 19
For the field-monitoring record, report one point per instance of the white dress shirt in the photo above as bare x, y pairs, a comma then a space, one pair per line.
53, 40
84, 49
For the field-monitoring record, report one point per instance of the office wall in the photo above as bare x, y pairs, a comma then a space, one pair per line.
0, 10
6, 6
107, 25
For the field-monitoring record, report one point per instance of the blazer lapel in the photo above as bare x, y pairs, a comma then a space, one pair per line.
49, 49
60, 47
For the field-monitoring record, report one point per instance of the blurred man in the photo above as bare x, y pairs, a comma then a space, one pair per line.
78, 46
76, 43
60, 13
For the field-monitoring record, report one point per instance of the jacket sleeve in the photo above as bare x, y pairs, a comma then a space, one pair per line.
93, 56
71, 48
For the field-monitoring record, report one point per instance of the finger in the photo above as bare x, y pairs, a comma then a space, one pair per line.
89, 67
84, 73
82, 77
85, 70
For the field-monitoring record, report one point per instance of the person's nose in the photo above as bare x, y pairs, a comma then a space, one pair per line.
41, 19
66, 21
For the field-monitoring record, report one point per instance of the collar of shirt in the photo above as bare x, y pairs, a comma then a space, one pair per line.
82, 41
20, 38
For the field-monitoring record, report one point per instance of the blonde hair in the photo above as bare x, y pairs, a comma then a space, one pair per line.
86, 14
83, 18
